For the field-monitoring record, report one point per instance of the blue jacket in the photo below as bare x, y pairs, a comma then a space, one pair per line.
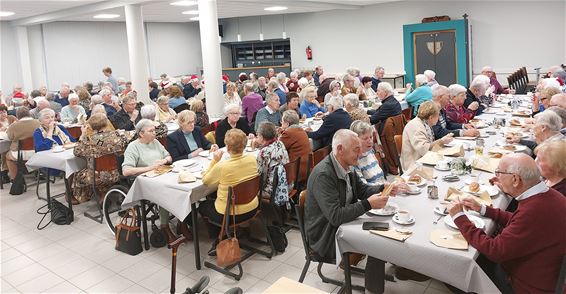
420, 95
335, 121
310, 109
389, 107
177, 144
110, 110
63, 101
374, 83
444, 127
176, 101
282, 97
189, 91
41, 143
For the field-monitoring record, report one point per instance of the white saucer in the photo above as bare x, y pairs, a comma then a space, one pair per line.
409, 222
390, 209
415, 190
477, 221
441, 169
184, 162
58, 150
204, 153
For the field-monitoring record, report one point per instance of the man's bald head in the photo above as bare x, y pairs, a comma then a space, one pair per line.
558, 100
523, 166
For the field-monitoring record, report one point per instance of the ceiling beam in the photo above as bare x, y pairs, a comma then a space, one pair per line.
75, 11
329, 5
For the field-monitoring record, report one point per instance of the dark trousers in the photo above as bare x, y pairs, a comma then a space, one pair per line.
495, 273
208, 211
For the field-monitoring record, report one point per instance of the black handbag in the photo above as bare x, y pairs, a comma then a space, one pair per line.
128, 235
60, 214
19, 183
278, 237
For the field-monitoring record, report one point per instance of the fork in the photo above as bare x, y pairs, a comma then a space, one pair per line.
438, 219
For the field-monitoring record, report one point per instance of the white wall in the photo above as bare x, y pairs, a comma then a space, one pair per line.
10, 72
373, 35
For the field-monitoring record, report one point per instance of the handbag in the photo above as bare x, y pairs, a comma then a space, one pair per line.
19, 183
278, 237
128, 235
228, 250
60, 214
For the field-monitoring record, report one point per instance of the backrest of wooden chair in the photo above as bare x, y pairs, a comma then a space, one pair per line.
408, 112
106, 162
163, 141
398, 143
300, 212
292, 172
75, 132
206, 129
245, 191
319, 155
26, 144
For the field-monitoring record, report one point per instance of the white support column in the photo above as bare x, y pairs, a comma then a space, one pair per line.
212, 66
137, 51
25, 64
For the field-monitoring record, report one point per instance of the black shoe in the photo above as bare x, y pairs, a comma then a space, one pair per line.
5, 178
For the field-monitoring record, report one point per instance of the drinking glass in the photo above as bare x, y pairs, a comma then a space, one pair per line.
479, 147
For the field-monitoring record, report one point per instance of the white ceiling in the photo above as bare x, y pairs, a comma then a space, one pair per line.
162, 11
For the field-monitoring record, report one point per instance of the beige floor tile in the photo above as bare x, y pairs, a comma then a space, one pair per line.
64, 287
41, 283
91, 277
114, 284
25, 274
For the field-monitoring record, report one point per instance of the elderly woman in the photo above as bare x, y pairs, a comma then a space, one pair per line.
334, 88
84, 97
476, 100
148, 112
351, 104
187, 141
295, 139
202, 118
176, 97
310, 106
145, 154
71, 112
164, 112
101, 142
430, 77
227, 173
365, 92
5, 119
455, 111
293, 82
349, 85
543, 98
368, 167
418, 137
547, 127
421, 94
233, 120
271, 155
551, 161
49, 132
231, 96
282, 80
21, 129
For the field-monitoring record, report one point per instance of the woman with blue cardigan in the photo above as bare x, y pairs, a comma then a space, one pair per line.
422, 93
187, 141
49, 132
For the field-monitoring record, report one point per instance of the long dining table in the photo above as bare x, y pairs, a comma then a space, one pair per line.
455, 267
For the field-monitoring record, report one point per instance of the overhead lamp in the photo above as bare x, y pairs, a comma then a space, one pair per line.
6, 13
260, 30
184, 3
106, 16
191, 12
275, 8
284, 30
239, 37
194, 18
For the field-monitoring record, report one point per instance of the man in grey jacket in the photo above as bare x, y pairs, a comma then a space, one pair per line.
336, 195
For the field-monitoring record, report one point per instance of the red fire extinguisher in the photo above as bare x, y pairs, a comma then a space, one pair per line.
309, 53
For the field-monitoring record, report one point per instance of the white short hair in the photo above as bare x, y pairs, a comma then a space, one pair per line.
352, 99
480, 82
293, 74
105, 92
303, 82
549, 119
231, 106
487, 68
341, 138
378, 68
438, 90
142, 124
96, 99
420, 79
73, 96
429, 74
281, 76
148, 111
98, 108
335, 102
361, 127
550, 83
385, 86
456, 89
529, 173
44, 112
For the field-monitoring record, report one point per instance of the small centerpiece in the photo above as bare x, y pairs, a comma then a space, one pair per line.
460, 166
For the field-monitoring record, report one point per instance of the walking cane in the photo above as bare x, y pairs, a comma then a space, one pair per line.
174, 246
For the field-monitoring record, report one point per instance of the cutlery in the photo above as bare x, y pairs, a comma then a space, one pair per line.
438, 219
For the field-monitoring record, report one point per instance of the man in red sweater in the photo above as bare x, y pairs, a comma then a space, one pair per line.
532, 242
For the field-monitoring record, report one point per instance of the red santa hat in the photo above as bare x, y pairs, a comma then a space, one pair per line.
194, 77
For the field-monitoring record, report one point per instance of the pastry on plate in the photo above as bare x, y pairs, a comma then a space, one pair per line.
415, 179
474, 187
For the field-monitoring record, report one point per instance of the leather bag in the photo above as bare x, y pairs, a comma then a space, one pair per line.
128, 234
228, 250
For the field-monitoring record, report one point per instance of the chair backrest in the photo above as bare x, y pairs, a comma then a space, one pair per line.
408, 112
106, 162
182, 107
207, 129
561, 283
245, 191
163, 141
398, 143
292, 172
392, 126
319, 155
300, 212
26, 144
75, 132
211, 137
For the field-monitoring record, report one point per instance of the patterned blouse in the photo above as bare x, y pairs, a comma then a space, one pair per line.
359, 114
268, 158
458, 114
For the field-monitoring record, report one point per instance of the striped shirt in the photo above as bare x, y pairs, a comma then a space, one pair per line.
368, 169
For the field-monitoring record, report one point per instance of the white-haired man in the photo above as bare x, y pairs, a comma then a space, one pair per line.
128, 116
528, 249
558, 100
389, 105
476, 93
42, 103
318, 71
270, 112
63, 96
337, 119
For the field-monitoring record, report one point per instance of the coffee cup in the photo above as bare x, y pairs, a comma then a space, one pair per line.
443, 164
58, 148
403, 216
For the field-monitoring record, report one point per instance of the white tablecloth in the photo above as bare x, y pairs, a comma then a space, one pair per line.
456, 267
65, 161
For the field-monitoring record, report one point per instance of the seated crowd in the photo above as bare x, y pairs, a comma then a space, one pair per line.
275, 115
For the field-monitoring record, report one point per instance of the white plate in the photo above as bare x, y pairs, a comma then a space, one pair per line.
440, 210
390, 209
518, 147
171, 127
477, 221
423, 182
204, 153
58, 150
409, 222
414, 190
441, 169
184, 162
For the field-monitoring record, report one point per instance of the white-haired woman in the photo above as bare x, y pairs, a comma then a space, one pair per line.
49, 132
551, 161
547, 127
455, 111
231, 96
164, 112
421, 94
187, 141
233, 120
476, 100
310, 106
149, 112
335, 88
368, 167
282, 80
430, 75
351, 104
71, 112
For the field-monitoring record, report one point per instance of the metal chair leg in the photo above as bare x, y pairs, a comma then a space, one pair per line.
304, 272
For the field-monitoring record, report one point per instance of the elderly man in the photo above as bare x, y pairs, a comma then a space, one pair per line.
318, 71
546, 128
528, 249
42, 103
128, 116
270, 112
377, 76
389, 105
110, 106
63, 96
558, 100
251, 103
270, 74
193, 88
441, 96
292, 103
336, 195
19, 130
336, 119
476, 95
488, 72
261, 87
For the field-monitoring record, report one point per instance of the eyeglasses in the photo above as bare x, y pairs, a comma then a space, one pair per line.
149, 131
233, 113
499, 172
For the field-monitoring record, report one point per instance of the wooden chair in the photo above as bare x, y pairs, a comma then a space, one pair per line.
163, 141
408, 112
182, 107
75, 132
392, 126
28, 145
316, 157
292, 174
103, 163
398, 145
207, 129
244, 193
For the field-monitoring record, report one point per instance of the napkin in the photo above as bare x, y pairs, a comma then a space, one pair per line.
430, 158
457, 150
157, 172
393, 234
186, 177
448, 239
496, 149
486, 164
423, 171
453, 194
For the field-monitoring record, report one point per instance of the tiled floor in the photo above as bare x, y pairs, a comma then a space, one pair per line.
80, 258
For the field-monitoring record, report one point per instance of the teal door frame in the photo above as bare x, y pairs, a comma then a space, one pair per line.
461, 28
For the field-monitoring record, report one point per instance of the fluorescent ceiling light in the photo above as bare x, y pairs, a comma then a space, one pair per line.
194, 18
106, 16
6, 13
184, 3
275, 8
191, 12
